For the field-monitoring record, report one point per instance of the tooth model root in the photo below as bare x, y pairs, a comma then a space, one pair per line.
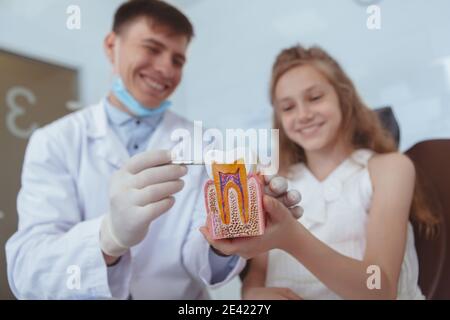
234, 202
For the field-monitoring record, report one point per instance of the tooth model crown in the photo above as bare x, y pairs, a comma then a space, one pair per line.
234, 202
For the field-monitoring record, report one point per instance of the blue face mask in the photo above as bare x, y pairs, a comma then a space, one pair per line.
121, 93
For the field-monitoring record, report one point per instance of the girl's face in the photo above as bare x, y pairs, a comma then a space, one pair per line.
308, 108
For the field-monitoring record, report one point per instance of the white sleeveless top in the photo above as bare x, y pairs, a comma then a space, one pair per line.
336, 212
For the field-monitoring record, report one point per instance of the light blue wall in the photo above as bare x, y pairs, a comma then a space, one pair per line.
406, 64
37, 28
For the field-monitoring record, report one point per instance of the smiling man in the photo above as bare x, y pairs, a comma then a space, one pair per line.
101, 204
148, 52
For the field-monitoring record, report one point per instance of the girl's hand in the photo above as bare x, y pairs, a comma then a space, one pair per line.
278, 233
262, 293
277, 187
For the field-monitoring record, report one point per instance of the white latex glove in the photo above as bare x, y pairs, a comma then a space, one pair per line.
277, 186
139, 193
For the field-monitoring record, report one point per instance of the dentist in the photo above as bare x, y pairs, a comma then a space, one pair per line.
102, 211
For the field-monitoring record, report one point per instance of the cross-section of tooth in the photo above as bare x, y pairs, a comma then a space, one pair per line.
245, 156
233, 201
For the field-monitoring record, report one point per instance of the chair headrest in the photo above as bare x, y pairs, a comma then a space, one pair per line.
389, 122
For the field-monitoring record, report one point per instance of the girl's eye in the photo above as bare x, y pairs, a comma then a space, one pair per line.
316, 97
287, 108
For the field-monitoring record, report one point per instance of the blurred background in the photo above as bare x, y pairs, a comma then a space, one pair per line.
48, 69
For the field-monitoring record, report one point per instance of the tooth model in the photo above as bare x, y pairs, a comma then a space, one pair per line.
233, 200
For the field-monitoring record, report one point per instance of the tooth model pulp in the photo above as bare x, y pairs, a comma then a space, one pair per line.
234, 202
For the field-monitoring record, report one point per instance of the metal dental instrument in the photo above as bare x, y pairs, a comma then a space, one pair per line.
188, 162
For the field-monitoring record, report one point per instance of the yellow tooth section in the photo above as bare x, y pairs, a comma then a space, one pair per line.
229, 178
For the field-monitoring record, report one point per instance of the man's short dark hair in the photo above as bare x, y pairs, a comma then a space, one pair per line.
160, 12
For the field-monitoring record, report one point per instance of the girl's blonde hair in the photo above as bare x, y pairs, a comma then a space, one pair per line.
360, 125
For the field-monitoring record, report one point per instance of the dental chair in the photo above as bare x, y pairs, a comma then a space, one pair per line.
432, 161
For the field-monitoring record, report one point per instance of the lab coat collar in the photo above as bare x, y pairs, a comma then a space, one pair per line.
108, 146
97, 122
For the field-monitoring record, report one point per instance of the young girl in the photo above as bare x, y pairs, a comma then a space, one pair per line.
354, 240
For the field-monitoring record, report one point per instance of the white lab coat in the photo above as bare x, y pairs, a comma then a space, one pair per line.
56, 253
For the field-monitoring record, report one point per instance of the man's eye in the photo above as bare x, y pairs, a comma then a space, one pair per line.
153, 50
178, 62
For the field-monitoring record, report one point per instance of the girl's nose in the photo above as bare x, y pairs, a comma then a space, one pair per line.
304, 114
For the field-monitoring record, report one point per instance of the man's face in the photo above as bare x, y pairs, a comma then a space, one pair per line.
149, 58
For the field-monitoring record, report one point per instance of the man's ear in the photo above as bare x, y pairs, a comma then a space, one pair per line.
109, 45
